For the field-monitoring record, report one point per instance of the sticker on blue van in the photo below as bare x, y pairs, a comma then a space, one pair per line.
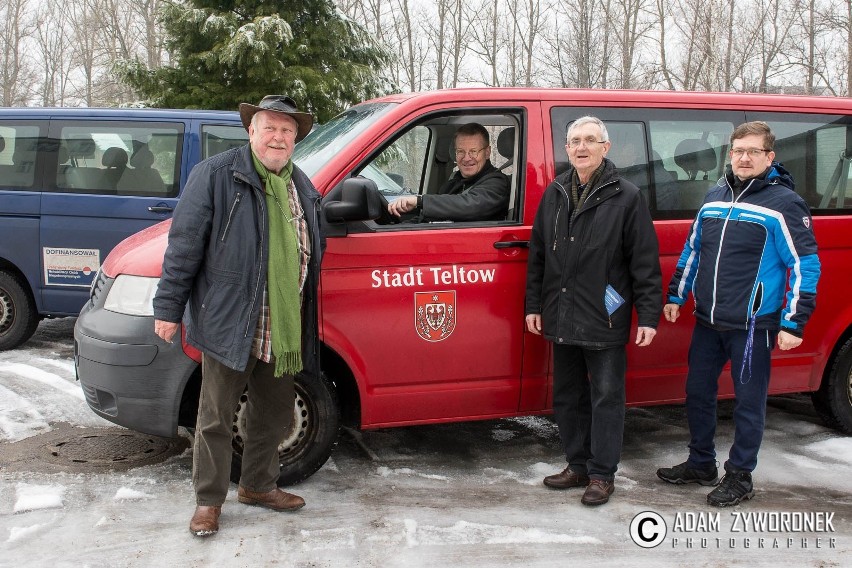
70, 266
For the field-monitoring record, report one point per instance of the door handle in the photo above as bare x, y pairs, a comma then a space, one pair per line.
161, 209
511, 244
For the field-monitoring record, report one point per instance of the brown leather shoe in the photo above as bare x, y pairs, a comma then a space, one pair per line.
566, 479
276, 499
205, 521
598, 492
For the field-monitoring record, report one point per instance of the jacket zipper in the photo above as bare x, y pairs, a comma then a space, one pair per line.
597, 189
558, 211
262, 207
231, 215
734, 199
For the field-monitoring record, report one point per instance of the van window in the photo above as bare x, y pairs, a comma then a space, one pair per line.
329, 139
18, 150
399, 167
420, 160
815, 149
673, 156
629, 152
216, 139
119, 158
693, 155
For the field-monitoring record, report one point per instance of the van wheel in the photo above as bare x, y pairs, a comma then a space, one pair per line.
18, 315
312, 436
833, 401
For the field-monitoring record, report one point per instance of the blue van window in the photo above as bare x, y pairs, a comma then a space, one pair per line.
119, 159
18, 149
216, 138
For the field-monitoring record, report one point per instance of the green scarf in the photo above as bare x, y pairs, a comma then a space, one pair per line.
285, 304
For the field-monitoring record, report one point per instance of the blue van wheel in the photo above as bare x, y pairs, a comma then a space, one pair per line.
18, 315
312, 436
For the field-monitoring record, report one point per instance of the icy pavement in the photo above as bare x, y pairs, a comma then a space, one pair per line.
431, 496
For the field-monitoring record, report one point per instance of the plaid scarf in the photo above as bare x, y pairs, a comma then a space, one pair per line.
285, 306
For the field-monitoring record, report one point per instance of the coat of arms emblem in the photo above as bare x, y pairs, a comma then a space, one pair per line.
434, 314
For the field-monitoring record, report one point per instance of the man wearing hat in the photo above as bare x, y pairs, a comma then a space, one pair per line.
241, 270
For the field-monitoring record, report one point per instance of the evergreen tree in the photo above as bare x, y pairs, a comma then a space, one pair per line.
227, 52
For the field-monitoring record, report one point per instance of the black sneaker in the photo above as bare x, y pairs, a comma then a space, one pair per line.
735, 487
682, 473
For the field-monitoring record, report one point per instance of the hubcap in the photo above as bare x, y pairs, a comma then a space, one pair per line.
7, 311
849, 387
294, 437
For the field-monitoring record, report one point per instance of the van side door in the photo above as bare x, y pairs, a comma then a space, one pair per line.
21, 169
107, 179
428, 313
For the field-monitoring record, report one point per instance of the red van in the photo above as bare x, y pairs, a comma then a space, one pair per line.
384, 362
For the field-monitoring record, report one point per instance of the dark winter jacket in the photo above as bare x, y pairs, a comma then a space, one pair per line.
611, 241
216, 260
739, 251
483, 197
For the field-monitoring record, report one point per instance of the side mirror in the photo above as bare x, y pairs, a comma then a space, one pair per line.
360, 200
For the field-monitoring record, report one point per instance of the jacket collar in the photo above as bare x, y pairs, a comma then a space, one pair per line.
775, 174
486, 169
243, 167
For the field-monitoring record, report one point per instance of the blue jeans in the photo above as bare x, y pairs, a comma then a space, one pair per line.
709, 351
588, 405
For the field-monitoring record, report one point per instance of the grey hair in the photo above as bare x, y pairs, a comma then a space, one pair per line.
588, 120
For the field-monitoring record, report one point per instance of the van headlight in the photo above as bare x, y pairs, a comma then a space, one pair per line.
132, 295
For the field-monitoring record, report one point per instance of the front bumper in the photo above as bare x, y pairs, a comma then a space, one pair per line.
129, 375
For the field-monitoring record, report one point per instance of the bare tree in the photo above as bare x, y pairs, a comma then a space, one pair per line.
578, 49
848, 29
772, 30
527, 22
839, 17
412, 64
17, 73
808, 45
448, 35
485, 41
634, 22
54, 49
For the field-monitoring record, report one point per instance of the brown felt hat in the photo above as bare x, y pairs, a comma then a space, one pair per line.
282, 104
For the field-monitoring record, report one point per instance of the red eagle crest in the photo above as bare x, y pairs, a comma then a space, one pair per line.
434, 314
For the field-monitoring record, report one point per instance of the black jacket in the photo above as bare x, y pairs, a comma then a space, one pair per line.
216, 260
611, 241
483, 197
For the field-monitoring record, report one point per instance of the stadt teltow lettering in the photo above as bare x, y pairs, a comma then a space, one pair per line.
435, 275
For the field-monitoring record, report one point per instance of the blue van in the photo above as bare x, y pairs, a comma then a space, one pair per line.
76, 182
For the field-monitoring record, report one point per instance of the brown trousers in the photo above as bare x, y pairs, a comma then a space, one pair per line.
268, 414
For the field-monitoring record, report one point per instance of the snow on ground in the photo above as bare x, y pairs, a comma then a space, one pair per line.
448, 495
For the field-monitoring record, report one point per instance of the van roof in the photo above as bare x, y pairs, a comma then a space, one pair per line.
619, 97
115, 113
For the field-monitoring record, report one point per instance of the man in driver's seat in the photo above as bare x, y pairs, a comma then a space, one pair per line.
476, 192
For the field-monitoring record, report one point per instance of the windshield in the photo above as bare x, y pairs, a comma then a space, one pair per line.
328, 139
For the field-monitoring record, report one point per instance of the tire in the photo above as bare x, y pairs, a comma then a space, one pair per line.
18, 314
833, 401
312, 436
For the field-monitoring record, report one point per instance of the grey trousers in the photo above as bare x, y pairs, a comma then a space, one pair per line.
268, 414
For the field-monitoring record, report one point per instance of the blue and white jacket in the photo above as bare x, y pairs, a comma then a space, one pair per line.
740, 250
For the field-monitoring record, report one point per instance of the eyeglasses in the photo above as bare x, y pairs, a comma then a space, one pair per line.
460, 154
575, 142
752, 152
